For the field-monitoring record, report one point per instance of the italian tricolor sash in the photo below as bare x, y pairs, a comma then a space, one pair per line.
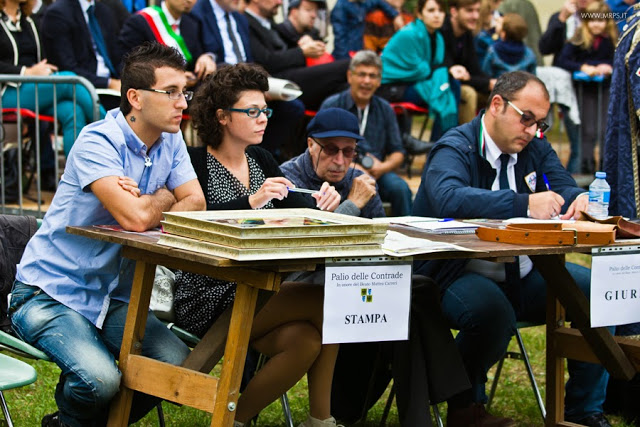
162, 31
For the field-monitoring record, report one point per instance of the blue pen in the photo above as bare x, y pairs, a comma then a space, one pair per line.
546, 181
445, 220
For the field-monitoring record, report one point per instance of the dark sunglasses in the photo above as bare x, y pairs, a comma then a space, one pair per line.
529, 120
332, 150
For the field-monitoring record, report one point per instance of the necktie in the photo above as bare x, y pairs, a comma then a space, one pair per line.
511, 269
174, 28
504, 164
96, 34
232, 37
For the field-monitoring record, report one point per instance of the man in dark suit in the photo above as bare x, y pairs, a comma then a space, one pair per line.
300, 22
173, 25
220, 21
225, 33
270, 51
70, 43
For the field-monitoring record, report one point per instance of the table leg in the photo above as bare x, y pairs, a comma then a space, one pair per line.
564, 292
555, 363
234, 356
132, 337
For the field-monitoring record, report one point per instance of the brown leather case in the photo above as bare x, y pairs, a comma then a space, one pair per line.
624, 229
580, 232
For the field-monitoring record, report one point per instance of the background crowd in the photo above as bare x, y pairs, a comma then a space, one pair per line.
453, 58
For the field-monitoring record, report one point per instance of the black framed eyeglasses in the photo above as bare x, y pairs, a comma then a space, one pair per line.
528, 120
332, 150
253, 112
173, 94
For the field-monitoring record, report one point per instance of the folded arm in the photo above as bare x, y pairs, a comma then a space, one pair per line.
141, 213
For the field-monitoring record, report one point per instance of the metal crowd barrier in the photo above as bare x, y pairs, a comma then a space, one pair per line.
21, 116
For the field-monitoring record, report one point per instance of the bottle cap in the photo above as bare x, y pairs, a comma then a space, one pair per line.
602, 175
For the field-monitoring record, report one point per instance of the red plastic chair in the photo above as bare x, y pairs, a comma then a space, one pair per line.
410, 109
407, 110
11, 115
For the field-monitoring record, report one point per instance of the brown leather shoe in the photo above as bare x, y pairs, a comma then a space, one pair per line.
475, 415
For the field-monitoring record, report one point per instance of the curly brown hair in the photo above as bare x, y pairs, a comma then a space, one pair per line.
220, 91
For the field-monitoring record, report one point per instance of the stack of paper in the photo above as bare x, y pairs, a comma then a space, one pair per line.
432, 225
397, 244
273, 234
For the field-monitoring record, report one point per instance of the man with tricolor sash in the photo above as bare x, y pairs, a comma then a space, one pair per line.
170, 24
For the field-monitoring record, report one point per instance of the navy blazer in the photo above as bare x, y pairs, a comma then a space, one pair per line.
136, 31
271, 51
211, 38
457, 180
67, 41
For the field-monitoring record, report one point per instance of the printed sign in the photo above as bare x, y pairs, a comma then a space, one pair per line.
366, 303
615, 288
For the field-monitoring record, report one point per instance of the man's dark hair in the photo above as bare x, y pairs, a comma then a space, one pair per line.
140, 64
220, 91
457, 4
420, 5
509, 84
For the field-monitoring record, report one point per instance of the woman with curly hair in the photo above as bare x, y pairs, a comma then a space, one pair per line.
230, 115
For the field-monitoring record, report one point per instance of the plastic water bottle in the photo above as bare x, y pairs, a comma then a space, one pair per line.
599, 192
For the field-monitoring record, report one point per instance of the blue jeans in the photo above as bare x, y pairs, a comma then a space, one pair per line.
479, 308
395, 190
64, 100
573, 133
87, 355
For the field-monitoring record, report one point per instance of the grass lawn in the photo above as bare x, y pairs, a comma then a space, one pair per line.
514, 397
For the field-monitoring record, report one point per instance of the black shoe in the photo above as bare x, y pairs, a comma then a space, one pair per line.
475, 415
52, 420
415, 145
593, 420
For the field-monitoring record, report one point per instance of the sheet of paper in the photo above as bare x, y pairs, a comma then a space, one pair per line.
404, 219
523, 220
615, 290
397, 244
364, 303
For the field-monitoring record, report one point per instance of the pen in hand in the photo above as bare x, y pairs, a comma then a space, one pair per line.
546, 182
302, 190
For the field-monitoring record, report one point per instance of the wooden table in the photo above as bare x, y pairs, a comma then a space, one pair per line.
191, 385
620, 356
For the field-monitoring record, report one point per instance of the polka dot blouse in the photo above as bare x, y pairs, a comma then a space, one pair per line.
200, 300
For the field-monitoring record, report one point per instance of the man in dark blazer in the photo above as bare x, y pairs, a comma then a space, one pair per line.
270, 51
212, 16
138, 29
68, 42
215, 16
300, 22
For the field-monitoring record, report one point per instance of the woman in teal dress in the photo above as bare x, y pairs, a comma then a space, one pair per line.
415, 56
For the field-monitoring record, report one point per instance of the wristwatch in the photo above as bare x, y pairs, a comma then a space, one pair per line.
366, 161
